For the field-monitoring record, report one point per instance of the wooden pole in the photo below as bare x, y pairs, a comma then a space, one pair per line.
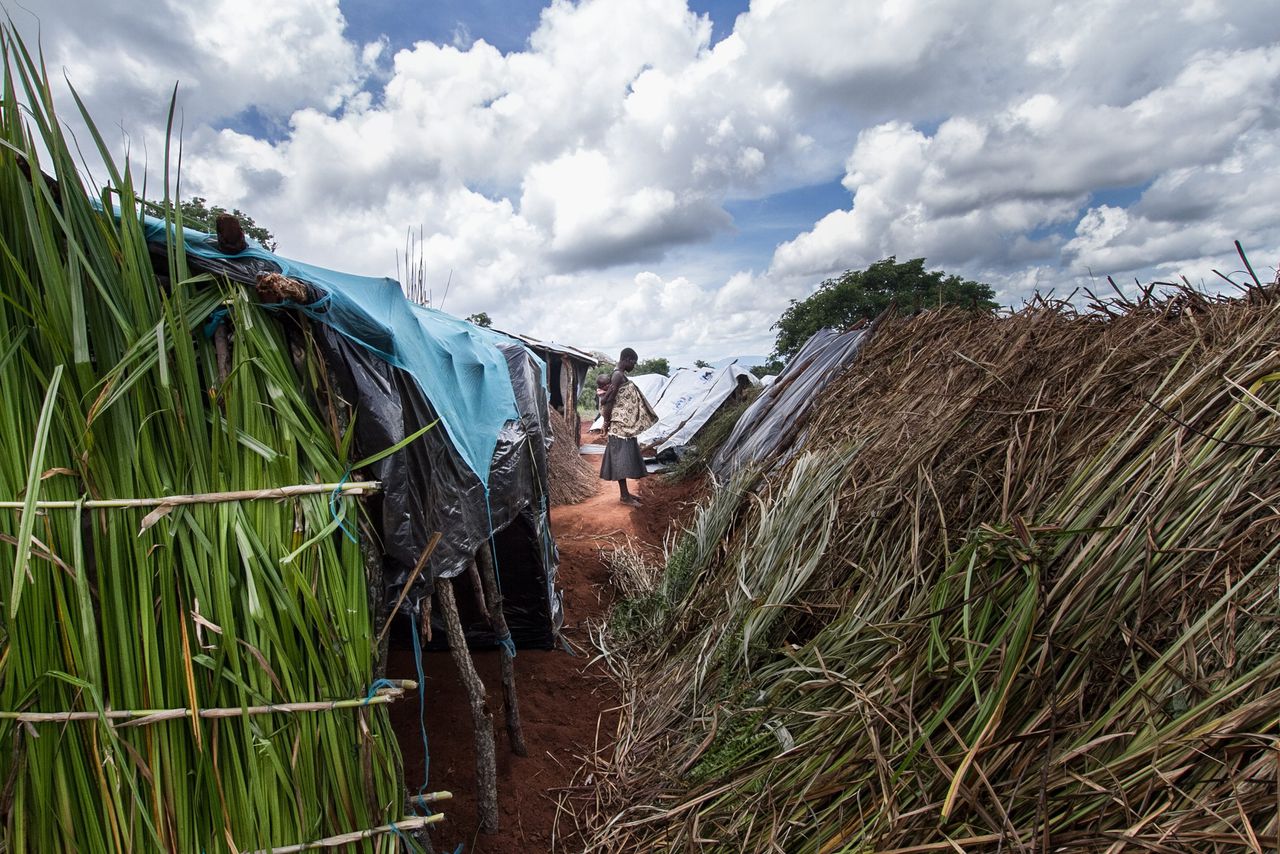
143, 717
276, 492
489, 573
346, 839
481, 717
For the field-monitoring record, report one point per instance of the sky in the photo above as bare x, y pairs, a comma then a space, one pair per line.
669, 176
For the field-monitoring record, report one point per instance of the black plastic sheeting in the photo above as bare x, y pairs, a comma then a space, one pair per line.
776, 425
427, 487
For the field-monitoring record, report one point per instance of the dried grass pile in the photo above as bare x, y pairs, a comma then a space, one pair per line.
1019, 594
571, 478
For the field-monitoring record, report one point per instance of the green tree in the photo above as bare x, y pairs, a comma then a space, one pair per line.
196, 213
863, 294
480, 318
698, 363
773, 367
653, 366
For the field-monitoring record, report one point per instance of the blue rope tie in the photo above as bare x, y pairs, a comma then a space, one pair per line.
508, 645
422, 707
333, 506
216, 319
409, 844
375, 687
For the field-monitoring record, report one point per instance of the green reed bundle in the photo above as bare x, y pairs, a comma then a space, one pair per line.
110, 388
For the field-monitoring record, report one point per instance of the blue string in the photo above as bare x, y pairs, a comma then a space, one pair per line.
409, 844
333, 506
422, 707
215, 320
507, 644
376, 686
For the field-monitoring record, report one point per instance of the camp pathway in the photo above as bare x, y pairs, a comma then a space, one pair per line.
567, 703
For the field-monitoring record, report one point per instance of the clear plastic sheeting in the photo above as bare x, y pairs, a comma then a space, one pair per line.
688, 400
775, 426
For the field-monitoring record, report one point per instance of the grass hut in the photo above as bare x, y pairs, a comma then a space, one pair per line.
1006, 584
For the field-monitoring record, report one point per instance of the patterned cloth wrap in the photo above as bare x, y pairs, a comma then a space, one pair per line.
632, 414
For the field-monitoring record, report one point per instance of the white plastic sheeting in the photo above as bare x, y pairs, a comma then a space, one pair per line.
651, 386
688, 401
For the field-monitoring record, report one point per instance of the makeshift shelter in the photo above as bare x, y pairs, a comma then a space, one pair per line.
566, 372
651, 386
1015, 593
776, 424
685, 401
688, 400
204, 568
479, 479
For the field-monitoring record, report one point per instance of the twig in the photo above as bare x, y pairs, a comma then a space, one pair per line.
404, 591
489, 573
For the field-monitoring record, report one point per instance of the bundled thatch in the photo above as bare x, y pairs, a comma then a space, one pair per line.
571, 478
186, 643
1017, 594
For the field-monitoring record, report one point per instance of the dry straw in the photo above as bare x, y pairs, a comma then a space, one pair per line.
571, 478
1017, 594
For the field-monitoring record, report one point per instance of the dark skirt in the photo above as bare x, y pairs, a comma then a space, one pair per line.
622, 460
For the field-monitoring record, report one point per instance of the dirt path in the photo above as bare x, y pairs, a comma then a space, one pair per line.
566, 703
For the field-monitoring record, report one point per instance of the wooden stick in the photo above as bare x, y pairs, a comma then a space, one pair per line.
348, 488
515, 733
142, 717
477, 588
357, 835
481, 717
413, 576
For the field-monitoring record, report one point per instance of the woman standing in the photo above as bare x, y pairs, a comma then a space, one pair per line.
626, 415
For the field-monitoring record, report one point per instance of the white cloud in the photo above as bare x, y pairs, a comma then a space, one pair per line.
576, 189
974, 194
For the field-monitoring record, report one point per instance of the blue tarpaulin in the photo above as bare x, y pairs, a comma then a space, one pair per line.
456, 364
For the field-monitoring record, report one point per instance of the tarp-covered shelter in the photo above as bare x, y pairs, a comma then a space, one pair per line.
567, 369
776, 423
651, 386
479, 475
688, 400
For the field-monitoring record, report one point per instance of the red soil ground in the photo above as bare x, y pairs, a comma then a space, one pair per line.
567, 703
